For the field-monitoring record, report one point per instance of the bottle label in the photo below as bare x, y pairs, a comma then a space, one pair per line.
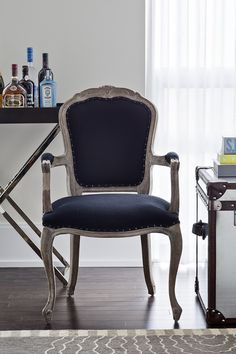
47, 96
30, 101
13, 88
36, 96
16, 101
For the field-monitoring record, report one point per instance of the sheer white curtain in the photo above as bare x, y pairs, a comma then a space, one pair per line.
191, 77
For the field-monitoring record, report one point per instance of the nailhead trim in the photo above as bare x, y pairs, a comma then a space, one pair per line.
105, 230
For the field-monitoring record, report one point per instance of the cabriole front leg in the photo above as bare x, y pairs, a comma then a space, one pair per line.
46, 251
175, 237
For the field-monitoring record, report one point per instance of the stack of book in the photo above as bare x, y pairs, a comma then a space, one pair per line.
225, 165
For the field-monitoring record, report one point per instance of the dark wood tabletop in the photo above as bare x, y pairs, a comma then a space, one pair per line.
29, 115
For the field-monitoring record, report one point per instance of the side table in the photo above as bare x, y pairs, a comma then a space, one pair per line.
30, 116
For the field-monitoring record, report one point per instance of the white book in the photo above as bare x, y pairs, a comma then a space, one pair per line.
223, 170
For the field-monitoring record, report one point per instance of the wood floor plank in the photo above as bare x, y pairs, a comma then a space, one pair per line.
105, 298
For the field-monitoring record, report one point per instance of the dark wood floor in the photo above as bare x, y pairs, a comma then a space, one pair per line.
105, 298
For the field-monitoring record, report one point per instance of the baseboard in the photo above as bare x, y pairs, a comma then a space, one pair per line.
21, 264
92, 263
85, 263
111, 263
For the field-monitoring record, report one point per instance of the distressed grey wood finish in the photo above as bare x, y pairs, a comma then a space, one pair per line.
74, 261
74, 188
147, 263
47, 238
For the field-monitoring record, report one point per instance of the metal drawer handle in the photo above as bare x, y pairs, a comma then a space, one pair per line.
200, 229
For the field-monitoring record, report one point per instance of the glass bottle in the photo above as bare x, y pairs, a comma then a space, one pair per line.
1, 88
42, 72
28, 85
32, 74
48, 94
14, 95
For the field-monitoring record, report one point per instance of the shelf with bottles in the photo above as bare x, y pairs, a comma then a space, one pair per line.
26, 115
33, 90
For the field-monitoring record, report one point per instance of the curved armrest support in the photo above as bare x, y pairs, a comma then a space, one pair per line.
46, 167
47, 161
171, 160
174, 176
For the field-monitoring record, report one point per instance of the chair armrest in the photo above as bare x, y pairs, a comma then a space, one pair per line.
47, 156
54, 160
165, 159
48, 161
171, 156
172, 160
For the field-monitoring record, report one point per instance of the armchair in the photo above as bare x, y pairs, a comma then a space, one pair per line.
108, 134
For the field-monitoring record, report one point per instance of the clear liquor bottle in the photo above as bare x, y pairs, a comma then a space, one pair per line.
48, 94
14, 95
42, 72
1, 88
28, 85
32, 74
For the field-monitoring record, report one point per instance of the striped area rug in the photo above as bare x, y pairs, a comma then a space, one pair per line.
118, 341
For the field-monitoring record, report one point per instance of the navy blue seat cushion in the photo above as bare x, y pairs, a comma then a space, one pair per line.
110, 212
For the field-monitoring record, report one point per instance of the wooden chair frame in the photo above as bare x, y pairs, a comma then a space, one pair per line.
48, 234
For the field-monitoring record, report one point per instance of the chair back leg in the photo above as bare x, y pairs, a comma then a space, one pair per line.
47, 238
74, 263
147, 263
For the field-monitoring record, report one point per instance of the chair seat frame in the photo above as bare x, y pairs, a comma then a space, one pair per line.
173, 232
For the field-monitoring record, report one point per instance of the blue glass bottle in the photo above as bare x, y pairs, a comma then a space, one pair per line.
48, 94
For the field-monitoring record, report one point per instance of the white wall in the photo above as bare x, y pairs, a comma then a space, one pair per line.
90, 43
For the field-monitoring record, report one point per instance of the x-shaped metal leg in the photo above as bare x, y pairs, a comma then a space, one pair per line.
4, 195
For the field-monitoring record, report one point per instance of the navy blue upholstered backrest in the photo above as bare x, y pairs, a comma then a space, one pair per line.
108, 139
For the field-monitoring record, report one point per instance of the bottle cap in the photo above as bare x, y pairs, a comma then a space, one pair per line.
14, 68
25, 70
30, 54
45, 60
